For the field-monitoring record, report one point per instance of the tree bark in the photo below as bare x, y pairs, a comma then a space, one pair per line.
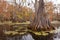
36, 6
41, 21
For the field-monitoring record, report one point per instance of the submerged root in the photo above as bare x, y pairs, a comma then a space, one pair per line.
37, 27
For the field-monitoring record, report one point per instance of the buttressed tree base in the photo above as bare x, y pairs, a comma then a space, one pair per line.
41, 21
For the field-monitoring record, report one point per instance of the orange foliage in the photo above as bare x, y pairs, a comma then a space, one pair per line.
19, 12
3, 9
49, 9
26, 13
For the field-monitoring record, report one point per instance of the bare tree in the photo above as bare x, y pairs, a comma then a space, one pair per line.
41, 21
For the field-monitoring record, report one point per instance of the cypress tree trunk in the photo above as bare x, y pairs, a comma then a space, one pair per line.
41, 21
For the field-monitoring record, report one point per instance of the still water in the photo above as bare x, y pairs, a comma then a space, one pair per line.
29, 37
56, 36
25, 37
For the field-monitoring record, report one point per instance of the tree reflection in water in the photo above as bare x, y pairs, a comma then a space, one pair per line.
57, 34
18, 37
27, 37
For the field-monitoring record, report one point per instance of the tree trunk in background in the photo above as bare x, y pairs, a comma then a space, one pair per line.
35, 5
41, 21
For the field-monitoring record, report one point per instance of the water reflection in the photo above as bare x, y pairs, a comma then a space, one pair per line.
57, 34
56, 37
27, 37
24, 37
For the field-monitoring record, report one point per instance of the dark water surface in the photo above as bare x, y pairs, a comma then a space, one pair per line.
34, 37
24, 37
30, 37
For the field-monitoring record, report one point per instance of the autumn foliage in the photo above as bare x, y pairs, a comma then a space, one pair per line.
14, 13
49, 9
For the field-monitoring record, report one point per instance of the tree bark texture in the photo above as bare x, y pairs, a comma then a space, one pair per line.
41, 21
